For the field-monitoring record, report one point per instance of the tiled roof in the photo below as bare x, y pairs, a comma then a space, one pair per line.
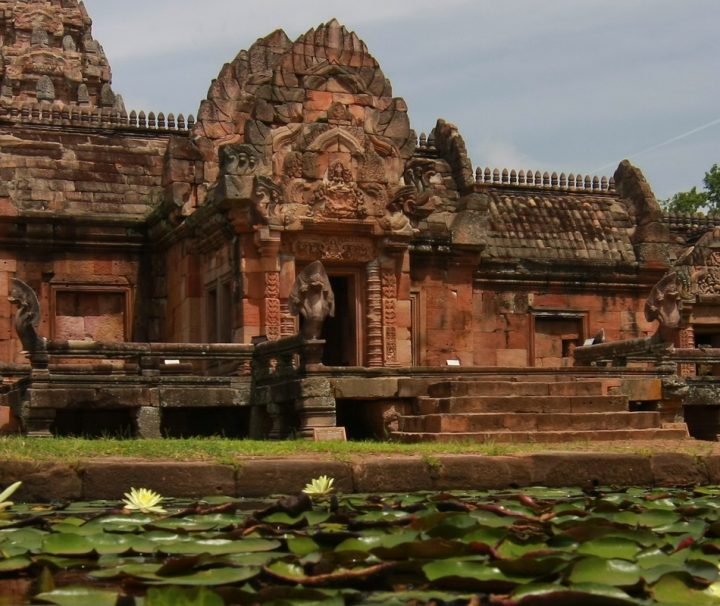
555, 225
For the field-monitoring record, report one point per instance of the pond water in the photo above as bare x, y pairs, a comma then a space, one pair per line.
531, 547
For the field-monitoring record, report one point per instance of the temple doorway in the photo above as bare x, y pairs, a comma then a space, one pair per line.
342, 347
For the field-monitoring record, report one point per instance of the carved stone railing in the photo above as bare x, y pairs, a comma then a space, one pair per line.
619, 353
286, 358
149, 358
296, 402
51, 114
552, 181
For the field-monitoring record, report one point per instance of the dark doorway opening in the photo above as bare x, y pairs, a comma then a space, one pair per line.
102, 423
339, 332
223, 421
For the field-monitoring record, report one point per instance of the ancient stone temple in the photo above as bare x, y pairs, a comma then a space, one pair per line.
164, 251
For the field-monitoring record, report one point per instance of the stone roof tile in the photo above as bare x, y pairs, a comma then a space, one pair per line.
585, 226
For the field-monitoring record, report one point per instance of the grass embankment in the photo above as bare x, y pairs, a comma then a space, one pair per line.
218, 450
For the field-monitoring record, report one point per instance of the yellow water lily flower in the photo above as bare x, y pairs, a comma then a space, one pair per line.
143, 500
4, 503
319, 488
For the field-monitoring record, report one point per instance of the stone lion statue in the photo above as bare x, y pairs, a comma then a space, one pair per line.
312, 298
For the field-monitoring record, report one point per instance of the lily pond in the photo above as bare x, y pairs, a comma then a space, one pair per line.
535, 546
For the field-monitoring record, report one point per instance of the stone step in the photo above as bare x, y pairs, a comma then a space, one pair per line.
481, 422
447, 389
524, 404
545, 437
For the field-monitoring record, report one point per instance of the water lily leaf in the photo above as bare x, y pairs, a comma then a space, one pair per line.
67, 545
369, 542
177, 596
674, 588
211, 576
423, 550
138, 570
652, 518
610, 547
587, 594
694, 528
534, 567
190, 546
108, 544
252, 559
121, 523
79, 596
514, 549
15, 564
303, 545
487, 535
492, 520
22, 540
478, 570
618, 573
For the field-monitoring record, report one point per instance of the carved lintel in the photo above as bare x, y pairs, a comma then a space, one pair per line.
334, 249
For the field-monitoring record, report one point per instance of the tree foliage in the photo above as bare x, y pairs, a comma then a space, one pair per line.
706, 201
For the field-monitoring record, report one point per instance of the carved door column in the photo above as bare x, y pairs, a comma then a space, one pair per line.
687, 341
287, 279
389, 315
374, 315
268, 243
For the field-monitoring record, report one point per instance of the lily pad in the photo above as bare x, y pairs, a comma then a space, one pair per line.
80, 596
618, 573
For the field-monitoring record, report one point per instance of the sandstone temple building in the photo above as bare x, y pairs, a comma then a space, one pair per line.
163, 248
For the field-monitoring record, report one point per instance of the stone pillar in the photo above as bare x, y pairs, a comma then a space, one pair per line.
148, 421
315, 405
374, 315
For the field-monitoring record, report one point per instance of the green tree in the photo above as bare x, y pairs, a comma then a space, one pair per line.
694, 201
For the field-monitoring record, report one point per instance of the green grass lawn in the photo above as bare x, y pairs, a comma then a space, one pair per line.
73, 450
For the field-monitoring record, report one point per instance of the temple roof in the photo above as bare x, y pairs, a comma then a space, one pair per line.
561, 226
48, 54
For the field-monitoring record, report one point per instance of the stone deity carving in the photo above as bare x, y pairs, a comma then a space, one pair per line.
27, 316
313, 298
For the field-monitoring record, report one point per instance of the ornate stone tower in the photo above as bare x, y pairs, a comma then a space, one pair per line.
48, 54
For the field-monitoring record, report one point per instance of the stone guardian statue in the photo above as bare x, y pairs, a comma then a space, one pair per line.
312, 298
27, 316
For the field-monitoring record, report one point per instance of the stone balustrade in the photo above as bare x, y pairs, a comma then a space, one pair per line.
57, 114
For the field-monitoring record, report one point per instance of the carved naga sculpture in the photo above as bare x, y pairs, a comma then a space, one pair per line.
313, 298
664, 305
27, 316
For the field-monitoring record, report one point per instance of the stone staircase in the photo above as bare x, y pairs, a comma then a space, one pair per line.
529, 411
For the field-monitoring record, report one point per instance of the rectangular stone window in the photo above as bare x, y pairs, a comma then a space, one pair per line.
89, 313
554, 335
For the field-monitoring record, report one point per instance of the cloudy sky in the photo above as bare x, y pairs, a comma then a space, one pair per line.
565, 85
